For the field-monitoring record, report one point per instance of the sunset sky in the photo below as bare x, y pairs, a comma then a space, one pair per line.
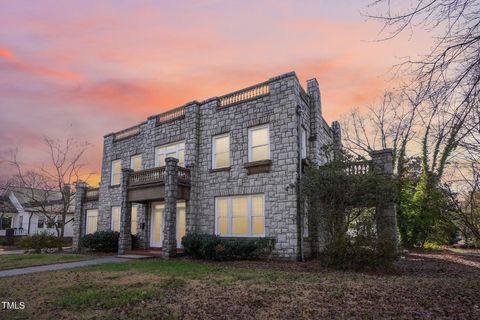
87, 68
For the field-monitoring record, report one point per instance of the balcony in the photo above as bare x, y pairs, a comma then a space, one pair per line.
149, 184
92, 194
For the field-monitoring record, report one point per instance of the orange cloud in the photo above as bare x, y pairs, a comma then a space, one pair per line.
13, 63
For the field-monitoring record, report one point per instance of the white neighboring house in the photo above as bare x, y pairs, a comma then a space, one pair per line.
17, 212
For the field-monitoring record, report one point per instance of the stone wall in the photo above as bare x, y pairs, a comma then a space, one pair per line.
202, 121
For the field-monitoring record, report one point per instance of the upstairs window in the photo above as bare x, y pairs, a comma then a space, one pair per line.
174, 150
221, 151
136, 162
258, 143
303, 138
115, 222
116, 174
41, 223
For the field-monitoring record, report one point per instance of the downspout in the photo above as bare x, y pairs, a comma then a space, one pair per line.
301, 255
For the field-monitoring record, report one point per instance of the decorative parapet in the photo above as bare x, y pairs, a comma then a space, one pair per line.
92, 194
183, 175
359, 167
126, 133
244, 95
174, 114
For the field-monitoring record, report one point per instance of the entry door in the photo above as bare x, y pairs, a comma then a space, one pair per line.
156, 232
180, 222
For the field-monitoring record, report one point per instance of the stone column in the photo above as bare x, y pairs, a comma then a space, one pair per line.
313, 91
79, 216
125, 240
169, 246
386, 213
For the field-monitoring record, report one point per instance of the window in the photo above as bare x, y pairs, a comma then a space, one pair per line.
59, 222
303, 138
41, 223
221, 151
92, 219
136, 162
240, 216
50, 223
116, 172
5, 223
133, 225
20, 222
115, 222
174, 150
258, 143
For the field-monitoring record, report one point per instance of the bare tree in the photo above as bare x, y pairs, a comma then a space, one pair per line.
50, 188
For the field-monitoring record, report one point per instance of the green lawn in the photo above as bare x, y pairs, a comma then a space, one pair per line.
425, 285
27, 260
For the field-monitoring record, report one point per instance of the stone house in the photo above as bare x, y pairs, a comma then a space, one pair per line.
227, 165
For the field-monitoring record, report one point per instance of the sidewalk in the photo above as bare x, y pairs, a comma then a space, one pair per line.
60, 266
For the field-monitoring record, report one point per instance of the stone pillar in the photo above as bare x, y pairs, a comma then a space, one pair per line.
79, 216
169, 246
337, 139
125, 240
192, 145
316, 121
386, 213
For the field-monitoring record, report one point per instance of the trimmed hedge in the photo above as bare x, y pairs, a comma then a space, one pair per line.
212, 247
40, 241
103, 241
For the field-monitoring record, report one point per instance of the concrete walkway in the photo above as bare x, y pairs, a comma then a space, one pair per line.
60, 266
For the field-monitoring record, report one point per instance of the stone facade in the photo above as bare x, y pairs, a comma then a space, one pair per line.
196, 124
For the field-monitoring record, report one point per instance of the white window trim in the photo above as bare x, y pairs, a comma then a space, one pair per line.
177, 149
112, 173
250, 130
214, 138
119, 218
229, 217
136, 156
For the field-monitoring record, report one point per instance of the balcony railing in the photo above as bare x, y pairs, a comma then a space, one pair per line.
156, 175
171, 115
92, 194
359, 167
148, 176
247, 94
127, 133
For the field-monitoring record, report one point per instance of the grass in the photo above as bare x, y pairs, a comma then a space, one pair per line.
28, 260
426, 285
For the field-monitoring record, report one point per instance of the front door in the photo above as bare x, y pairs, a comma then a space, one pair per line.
156, 232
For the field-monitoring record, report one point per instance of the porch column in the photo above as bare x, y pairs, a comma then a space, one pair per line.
78, 217
386, 212
169, 246
125, 240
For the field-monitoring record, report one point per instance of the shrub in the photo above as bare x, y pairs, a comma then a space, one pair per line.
40, 241
212, 247
103, 241
351, 255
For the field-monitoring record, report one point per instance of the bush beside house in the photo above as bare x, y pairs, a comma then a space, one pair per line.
41, 241
211, 247
103, 241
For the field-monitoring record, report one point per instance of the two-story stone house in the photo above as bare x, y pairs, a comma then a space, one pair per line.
227, 165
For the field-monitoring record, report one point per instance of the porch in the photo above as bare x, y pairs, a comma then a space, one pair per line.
164, 192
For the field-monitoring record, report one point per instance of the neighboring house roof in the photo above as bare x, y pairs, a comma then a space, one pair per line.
29, 199
6, 205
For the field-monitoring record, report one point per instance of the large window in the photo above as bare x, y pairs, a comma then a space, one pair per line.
134, 219
174, 150
136, 162
240, 216
258, 143
116, 172
221, 151
41, 223
92, 219
115, 222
